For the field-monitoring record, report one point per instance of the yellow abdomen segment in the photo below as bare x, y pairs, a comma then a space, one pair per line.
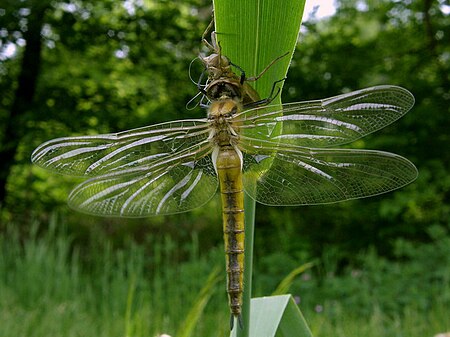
229, 170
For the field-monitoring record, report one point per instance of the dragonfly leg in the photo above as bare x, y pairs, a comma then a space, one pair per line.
257, 77
269, 99
211, 46
243, 77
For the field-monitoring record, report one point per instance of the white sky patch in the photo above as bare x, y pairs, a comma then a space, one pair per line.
8, 51
445, 8
325, 8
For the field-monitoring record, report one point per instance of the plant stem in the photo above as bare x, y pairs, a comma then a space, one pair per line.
249, 207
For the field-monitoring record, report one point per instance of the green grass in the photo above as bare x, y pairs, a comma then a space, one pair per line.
49, 287
411, 322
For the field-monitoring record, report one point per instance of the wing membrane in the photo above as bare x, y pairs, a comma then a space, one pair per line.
328, 122
317, 176
165, 188
102, 154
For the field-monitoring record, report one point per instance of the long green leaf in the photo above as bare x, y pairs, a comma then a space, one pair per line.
253, 33
277, 316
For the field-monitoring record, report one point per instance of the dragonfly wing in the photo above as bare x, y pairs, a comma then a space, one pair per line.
317, 176
164, 188
328, 122
102, 154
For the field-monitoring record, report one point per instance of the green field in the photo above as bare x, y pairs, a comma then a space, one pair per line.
48, 287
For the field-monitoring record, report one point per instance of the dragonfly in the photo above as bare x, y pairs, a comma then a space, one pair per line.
280, 155
220, 72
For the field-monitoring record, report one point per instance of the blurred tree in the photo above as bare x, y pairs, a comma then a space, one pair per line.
30, 20
368, 43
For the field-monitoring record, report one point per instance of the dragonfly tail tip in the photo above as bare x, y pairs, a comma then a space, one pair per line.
239, 319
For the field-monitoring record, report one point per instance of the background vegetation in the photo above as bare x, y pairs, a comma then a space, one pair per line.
85, 67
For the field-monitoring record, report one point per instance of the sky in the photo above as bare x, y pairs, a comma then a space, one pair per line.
325, 8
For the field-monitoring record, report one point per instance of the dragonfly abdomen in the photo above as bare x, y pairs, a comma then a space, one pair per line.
229, 171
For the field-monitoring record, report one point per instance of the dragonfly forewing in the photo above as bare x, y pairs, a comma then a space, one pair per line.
328, 122
154, 170
102, 154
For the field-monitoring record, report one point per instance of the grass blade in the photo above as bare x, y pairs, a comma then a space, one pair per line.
186, 329
286, 283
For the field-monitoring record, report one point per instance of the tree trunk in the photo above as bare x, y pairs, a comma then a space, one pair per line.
23, 98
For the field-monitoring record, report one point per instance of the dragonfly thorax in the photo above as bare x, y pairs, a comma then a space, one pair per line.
224, 134
220, 113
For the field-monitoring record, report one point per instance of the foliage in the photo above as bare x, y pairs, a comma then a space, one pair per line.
48, 286
59, 290
419, 278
